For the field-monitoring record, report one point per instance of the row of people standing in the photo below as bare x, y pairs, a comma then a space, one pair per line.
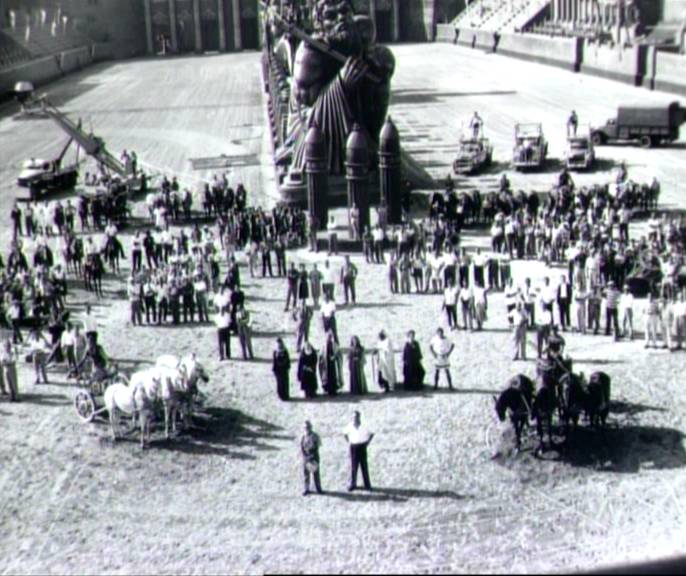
326, 365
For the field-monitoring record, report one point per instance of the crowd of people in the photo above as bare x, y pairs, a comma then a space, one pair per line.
176, 273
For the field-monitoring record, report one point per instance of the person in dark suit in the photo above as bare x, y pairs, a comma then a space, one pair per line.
564, 299
309, 448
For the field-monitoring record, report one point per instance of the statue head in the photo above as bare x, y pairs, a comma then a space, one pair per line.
334, 21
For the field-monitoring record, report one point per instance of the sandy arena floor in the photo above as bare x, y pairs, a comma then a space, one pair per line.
227, 498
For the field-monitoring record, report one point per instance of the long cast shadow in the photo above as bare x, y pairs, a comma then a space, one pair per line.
394, 495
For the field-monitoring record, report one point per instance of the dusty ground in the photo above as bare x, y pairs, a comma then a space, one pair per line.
227, 498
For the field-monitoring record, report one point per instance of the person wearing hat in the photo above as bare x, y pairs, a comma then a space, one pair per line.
309, 448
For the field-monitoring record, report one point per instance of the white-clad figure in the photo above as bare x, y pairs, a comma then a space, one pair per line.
385, 357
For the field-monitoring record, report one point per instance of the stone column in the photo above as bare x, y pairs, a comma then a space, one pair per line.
237, 35
317, 169
357, 175
222, 25
198, 27
553, 11
172, 26
148, 26
396, 20
390, 172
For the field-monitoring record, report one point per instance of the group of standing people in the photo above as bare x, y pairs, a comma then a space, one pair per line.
326, 366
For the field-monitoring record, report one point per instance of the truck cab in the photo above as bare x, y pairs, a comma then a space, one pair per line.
579, 153
649, 126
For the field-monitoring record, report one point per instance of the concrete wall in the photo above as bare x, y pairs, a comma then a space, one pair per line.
38, 72
561, 52
75, 59
666, 71
446, 33
627, 65
673, 10
102, 51
481, 39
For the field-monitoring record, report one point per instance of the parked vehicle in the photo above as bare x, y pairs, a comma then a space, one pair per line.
43, 176
473, 155
579, 153
649, 126
531, 147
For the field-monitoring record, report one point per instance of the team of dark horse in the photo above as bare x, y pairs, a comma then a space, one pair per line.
558, 393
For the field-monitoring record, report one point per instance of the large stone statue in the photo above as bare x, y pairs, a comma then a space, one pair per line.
336, 94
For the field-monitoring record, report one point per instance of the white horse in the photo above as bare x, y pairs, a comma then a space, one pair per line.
179, 386
135, 399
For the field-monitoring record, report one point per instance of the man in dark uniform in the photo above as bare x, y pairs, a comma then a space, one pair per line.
188, 299
309, 448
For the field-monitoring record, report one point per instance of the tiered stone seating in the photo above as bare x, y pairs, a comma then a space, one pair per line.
500, 15
11, 53
43, 38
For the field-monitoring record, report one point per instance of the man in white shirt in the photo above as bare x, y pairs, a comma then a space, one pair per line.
548, 296
450, 304
626, 312
358, 437
328, 280
68, 343
223, 323
377, 238
679, 310
328, 311
90, 324
441, 349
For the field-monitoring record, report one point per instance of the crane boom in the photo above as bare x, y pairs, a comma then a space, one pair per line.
91, 144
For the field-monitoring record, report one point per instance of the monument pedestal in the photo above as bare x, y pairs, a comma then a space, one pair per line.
294, 192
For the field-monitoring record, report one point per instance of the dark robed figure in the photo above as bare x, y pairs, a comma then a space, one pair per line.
281, 367
356, 362
330, 366
413, 371
307, 370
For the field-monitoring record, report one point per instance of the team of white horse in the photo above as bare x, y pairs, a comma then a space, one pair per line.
171, 382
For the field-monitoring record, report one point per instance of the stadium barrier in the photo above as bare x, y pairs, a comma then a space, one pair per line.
625, 65
75, 59
446, 33
481, 39
561, 52
38, 72
666, 71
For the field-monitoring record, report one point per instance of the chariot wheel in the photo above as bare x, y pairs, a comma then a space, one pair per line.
85, 405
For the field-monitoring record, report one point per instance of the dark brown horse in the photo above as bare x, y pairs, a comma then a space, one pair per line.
516, 401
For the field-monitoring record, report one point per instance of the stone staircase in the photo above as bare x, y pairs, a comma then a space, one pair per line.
501, 15
12, 53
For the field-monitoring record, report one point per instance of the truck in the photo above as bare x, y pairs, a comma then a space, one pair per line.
473, 155
44, 176
579, 153
531, 147
649, 126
